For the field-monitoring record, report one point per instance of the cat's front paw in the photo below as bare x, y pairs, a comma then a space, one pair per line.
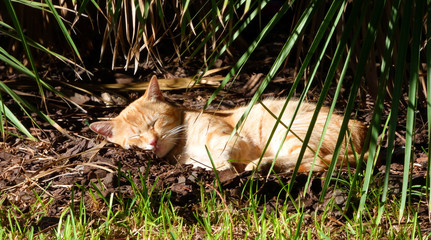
223, 167
250, 167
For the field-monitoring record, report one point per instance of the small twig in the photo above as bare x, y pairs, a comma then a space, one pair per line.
400, 136
97, 149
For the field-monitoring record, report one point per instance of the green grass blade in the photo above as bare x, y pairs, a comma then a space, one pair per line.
428, 83
214, 169
199, 35
10, 60
3, 121
13, 62
226, 41
378, 109
15, 121
142, 14
412, 104
33, 4
398, 80
215, 12
369, 40
186, 19
247, 6
63, 28
83, 6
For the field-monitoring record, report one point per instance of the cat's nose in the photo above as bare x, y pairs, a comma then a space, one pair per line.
152, 144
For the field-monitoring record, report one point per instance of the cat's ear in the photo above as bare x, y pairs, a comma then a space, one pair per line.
103, 128
153, 92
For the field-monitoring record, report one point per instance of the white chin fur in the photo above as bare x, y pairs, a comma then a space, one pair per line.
149, 148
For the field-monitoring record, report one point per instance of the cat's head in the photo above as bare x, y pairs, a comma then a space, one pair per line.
149, 123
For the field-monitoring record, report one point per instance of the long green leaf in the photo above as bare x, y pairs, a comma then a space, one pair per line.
15, 121
428, 83
381, 93
63, 28
3, 121
370, 38
412, 102
13, 62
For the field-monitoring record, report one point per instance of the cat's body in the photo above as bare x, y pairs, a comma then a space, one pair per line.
182, 135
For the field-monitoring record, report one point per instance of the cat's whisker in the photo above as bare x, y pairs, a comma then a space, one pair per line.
174, 131
177, 138
178, 128
172, 138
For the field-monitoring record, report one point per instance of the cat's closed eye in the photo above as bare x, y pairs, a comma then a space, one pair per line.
153, 122
136, 136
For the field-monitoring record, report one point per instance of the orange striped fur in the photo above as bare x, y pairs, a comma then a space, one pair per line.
180, 135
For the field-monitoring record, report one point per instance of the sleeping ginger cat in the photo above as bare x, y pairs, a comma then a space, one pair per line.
152, 124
